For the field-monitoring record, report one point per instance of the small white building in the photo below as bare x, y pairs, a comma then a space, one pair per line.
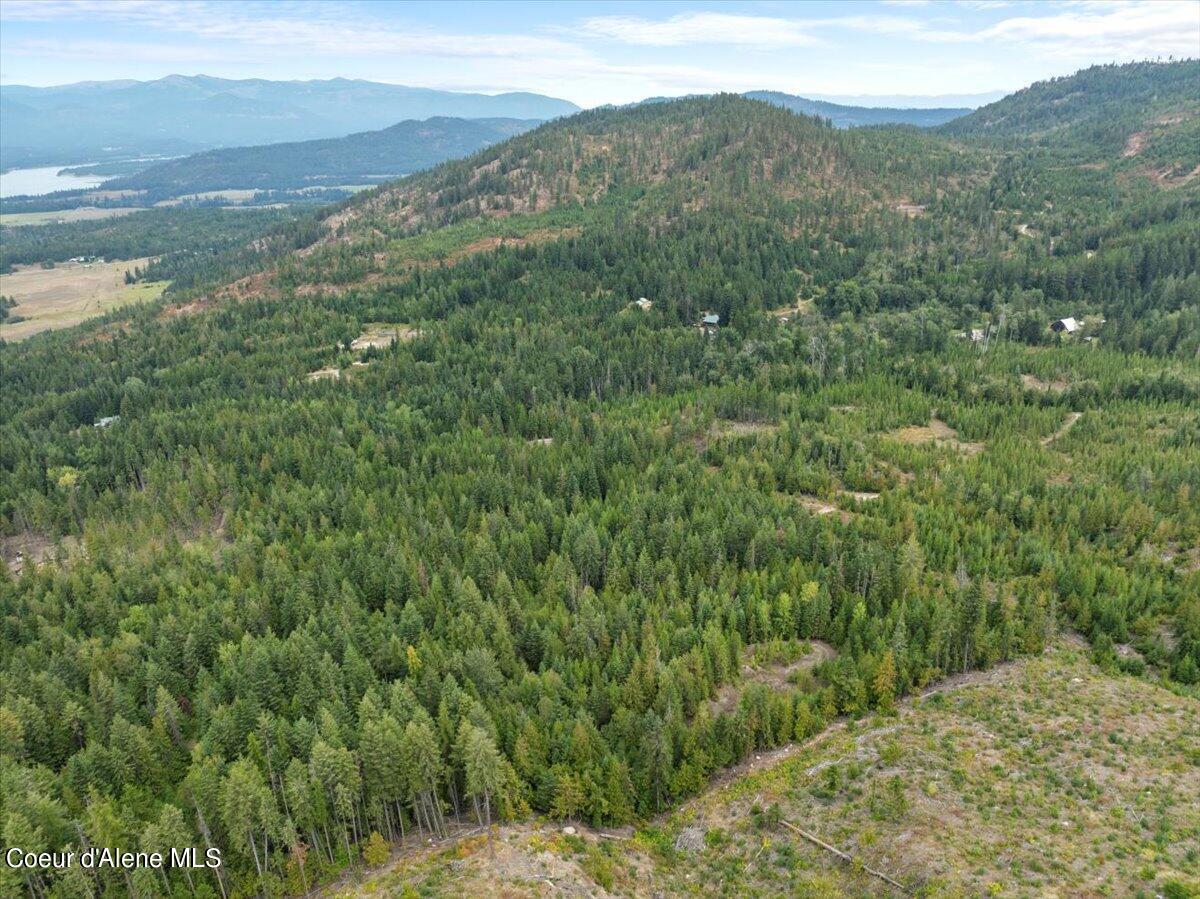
1067, 325
643, 304
976, 335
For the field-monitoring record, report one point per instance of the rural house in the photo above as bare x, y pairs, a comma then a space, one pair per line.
1069, 325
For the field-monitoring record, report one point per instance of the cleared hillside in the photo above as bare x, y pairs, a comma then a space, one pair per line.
1043, 776
1140, 118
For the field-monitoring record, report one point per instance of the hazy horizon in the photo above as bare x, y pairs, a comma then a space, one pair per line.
883, 52
914, 101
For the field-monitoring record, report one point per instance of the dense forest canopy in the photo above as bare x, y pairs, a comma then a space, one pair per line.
306, 584
367, 157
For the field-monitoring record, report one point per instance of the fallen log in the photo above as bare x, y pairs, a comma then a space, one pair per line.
844, 856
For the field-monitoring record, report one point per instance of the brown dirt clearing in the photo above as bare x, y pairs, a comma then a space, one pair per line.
938, 433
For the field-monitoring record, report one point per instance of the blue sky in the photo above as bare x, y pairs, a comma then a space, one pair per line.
592, 52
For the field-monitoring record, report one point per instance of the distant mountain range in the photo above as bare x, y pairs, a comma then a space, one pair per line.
363, 158
855, 116
93, 121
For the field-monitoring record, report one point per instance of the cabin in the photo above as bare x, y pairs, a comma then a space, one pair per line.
709, 323
643, 304
107, 421
976, 335
1065, 325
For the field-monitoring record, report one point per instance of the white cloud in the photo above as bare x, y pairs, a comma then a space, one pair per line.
1089, 28
1121, 30
591, 62
289, 28
701, 28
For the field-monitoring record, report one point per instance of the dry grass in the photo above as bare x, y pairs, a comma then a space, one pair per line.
1043, 777
938, 433
231, 195
69, 293
82, 214
727, 428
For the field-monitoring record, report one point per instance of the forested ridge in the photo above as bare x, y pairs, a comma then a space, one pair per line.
311, 591
365, 157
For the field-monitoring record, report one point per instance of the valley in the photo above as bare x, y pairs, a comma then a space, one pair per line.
586, 514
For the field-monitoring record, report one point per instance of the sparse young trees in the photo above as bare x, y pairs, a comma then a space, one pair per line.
551, 555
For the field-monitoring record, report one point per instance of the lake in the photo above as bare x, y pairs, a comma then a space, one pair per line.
44, 180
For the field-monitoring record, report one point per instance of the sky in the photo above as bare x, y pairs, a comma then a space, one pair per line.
918, 51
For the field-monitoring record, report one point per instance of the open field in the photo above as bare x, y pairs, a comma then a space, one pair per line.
1042, 777
60, 216
48, 299
232, 195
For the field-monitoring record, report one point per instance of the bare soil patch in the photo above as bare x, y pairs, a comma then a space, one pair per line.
862, 496
380, 336
1135, 144
1172, 176
936, 432
820, 506
1058, 385
30, 549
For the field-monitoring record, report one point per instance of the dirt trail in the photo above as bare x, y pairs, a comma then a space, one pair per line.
1063, 428
549, 874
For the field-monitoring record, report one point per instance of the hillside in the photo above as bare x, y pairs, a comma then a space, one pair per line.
415, 517
1001, 782
694, 153
363, 158
92, 121
844, 116
1140, 114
